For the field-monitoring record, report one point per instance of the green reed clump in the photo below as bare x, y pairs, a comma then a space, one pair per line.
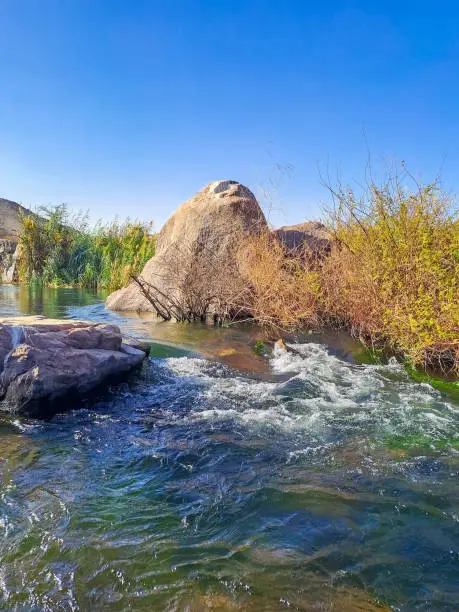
58, 248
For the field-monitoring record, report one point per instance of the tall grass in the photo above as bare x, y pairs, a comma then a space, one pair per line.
60, 248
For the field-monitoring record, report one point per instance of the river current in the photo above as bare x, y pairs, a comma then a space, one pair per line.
218, 479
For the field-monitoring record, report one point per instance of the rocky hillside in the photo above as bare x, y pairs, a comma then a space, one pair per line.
9, 232
9, 219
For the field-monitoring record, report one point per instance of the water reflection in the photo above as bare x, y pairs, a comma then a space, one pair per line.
49, 301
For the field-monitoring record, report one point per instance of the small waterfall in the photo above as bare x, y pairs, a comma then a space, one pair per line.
16, 332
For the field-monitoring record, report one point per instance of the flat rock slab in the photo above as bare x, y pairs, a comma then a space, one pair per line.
44, 360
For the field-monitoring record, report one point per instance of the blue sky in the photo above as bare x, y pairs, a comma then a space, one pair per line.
128, 107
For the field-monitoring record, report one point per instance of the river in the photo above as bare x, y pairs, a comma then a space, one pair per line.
219, 479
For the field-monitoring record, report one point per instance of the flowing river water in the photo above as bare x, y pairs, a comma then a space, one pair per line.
218, 479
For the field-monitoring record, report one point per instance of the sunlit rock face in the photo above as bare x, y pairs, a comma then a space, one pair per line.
10, 223
196, 247
45, 362
10, 226
310, 237
9, 252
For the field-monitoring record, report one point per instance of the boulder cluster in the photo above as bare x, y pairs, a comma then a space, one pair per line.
194, 271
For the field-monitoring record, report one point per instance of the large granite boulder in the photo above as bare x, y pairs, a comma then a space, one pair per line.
45, 361
194, 267
311, 237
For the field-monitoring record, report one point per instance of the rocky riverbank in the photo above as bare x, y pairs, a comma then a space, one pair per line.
10, 227
45, 362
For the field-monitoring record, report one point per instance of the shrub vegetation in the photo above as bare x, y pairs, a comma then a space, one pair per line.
392, 277
58, 248
282, 292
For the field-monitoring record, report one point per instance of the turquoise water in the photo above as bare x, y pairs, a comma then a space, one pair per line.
221, 480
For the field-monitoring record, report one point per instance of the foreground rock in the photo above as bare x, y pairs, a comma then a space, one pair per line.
194, 265
45, 361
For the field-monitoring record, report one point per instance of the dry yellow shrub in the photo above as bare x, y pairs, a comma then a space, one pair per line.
282, 291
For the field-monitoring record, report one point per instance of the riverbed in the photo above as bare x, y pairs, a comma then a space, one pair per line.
223, 479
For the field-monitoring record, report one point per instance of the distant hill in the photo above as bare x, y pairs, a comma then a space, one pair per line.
9, 219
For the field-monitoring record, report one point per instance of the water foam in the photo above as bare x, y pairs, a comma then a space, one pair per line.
317, 396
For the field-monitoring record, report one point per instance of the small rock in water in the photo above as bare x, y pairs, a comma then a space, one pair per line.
281, 344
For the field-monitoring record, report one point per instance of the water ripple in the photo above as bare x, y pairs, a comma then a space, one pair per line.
325, 485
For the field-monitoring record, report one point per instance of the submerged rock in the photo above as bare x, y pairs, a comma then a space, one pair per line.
280, 344
45, 360
194, 264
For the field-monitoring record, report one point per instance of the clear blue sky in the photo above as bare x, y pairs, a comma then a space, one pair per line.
128, 107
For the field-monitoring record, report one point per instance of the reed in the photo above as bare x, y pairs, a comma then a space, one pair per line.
58, 248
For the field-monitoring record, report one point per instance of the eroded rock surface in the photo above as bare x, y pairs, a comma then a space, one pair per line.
44, 360
10, 223
9, 252
10, 227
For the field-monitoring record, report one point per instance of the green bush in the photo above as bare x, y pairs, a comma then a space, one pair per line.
394, 278
61, 249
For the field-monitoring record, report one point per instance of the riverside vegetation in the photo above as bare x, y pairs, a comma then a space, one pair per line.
391, 277
58, 248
